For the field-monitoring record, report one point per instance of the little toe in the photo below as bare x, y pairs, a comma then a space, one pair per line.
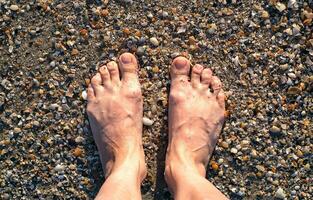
196, 75
114, 72
180, 69
96, 82
221, 97
128, 66
216, 85
90, 93
105, 76
206, 78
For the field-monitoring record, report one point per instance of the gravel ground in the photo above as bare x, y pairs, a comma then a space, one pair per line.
262, 51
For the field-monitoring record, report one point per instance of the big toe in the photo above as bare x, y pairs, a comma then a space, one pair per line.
180, 69
128, 66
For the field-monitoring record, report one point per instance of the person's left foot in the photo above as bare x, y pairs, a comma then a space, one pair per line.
114, 110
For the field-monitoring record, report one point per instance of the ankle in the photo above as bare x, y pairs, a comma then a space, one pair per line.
132, 168
128, 162
178, 170
180, 159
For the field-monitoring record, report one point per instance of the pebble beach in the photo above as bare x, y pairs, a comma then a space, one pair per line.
261, 50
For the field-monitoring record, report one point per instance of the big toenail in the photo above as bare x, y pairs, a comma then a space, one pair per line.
126, 58
180, 63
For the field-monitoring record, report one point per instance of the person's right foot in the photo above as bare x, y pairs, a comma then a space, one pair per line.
196, 117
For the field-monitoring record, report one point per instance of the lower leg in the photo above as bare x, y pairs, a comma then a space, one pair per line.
124, 181
187, 182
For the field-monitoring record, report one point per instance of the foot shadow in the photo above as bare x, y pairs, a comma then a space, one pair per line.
161, 190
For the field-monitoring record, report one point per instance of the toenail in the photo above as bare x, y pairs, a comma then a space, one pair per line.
126, 58
103, 68
198, 68
180, 63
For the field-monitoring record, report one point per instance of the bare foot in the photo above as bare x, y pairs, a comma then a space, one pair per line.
115, 114
196, 117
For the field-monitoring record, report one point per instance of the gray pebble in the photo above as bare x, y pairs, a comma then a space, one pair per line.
53, 106
140, 51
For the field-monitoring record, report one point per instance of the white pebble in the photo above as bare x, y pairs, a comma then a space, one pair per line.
147, 122
14, 7
233, 150
84, 95
280, 193
154, 41
59, 168
79, 139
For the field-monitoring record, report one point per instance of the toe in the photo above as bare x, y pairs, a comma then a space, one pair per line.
206, 77
105, 76
180, 69
90, 93
216, 85
114, 72
221, 97
128, 66
96, 82
196, 75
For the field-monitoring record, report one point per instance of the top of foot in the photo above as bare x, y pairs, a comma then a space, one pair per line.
196, 114
115, 113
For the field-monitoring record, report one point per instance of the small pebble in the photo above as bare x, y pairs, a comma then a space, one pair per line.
14, 7
292, 75
212, 28
146, 121
154, 41
280, 6
234, 150
214, 166
224, 144
17, 130
53, 106
79, 139
140, 51
280, 193
275, 130
59, 168
77, 152
84, 95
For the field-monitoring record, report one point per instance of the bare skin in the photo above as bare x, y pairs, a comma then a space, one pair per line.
196, 117
115, 114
